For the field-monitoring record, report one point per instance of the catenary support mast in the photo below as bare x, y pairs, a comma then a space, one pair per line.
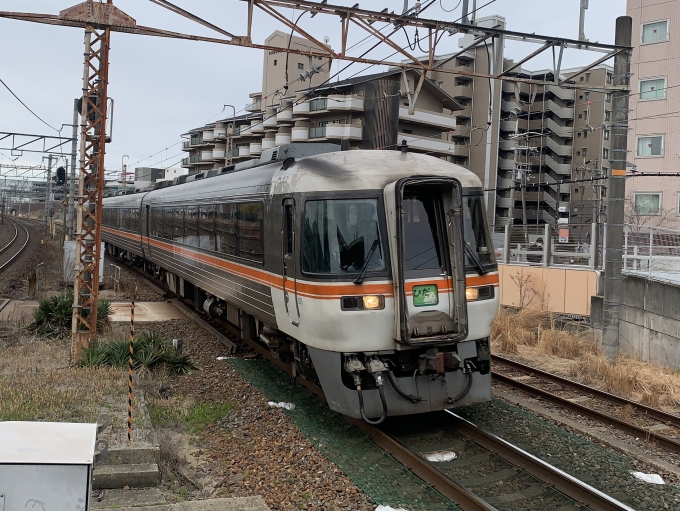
616, 193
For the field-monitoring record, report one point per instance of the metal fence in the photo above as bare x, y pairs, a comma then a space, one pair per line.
547, 245
652, 251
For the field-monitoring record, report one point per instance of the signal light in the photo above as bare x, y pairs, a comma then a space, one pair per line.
61, 175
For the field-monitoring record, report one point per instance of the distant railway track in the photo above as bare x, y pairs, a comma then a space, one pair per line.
10, 252
589, 402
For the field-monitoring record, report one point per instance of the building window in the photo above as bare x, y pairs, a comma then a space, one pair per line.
275, 62
606, 134
654, 88
587, 96
609, 78
650, 145
580, 78
608, 97
578, 135
584, 151
585, 133
580, 116
587, 77
301, 65
581, 96
607, 115
647, 203
655, 32
578, 153
318, 104
605, 153
678, 210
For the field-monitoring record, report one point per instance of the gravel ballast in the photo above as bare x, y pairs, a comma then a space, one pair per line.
582, 459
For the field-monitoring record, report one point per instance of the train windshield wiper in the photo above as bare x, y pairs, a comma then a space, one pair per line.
475, 260
371, 251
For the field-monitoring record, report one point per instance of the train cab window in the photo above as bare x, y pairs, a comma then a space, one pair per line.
191, 226
206, 227
225, 228
250, 217
422, 250
476, 233
337, 236
178, 225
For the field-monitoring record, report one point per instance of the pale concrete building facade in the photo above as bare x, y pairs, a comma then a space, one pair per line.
654, 137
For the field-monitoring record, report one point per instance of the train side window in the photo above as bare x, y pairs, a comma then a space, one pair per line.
126, 219
250, 231
225, 227
288, 212
168, 230
157, 222
206, 227
178, 225
191, 226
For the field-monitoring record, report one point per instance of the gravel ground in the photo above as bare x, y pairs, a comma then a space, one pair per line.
6, 233
582, 459
133, 286
254, 449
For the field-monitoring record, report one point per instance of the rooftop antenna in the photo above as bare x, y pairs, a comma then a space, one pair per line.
582, 21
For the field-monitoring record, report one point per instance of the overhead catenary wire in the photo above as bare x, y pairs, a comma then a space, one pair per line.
27, 107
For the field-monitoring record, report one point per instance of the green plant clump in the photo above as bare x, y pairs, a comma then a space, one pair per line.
196, 417
151, 351
53, 317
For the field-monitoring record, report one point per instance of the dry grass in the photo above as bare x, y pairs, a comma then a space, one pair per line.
533, 335
37, 384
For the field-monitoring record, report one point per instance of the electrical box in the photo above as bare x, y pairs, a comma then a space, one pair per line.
46, 466
69, 261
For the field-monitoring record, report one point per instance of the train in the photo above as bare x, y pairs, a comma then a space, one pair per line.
371, 273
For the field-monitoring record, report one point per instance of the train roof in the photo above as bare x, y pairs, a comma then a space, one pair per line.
334, 171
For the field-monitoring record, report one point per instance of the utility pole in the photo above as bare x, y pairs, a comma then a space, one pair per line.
511, 211
48, 192
582, 21
617, 192
68, 226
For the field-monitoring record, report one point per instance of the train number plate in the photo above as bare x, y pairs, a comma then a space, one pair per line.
425, 295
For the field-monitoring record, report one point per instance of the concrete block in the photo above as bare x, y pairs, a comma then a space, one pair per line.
131, 456
115, 499
133, 476
256, 503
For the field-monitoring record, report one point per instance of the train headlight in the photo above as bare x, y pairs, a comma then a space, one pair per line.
471, 294
372, 302
360, 303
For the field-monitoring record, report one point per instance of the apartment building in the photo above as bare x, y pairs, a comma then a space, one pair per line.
654, 134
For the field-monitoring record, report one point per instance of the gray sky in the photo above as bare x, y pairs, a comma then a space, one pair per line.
164, 87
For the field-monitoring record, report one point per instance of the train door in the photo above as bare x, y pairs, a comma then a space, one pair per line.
426, 243
288, 271
147, 232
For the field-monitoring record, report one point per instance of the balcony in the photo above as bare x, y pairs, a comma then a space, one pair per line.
242, 151
506, 164
507, 145
220, 132
433, 145
508, 125
255, 106
197, 139
465, 113
186, 163
285, 113
208, 135
243, 131
462, 91
560, 131
268, 142
206, 155
255, 148
503, 202
344, 103
559, 149
508, 106
447, 122
563, 112
233, 153
219, 152
563, 94
269, 119
560, 168
300, 134
256, 126
350, 131
283, 137
301, 108
196, 157
186, 145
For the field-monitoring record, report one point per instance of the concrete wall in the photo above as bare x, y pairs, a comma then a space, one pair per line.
649, 325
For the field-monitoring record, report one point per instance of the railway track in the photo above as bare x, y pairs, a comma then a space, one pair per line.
12, 250
641, 421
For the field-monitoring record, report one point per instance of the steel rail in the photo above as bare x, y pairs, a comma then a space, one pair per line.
23, 247
560, 480
604, 418
654, 413
16, 234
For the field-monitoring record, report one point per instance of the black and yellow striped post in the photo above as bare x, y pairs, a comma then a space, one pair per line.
132, 351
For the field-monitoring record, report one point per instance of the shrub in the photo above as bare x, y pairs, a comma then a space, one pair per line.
152, 351
53, 317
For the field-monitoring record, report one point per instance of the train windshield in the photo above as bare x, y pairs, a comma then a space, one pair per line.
476, 232
337, 237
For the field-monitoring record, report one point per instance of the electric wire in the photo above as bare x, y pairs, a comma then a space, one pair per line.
26, 106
